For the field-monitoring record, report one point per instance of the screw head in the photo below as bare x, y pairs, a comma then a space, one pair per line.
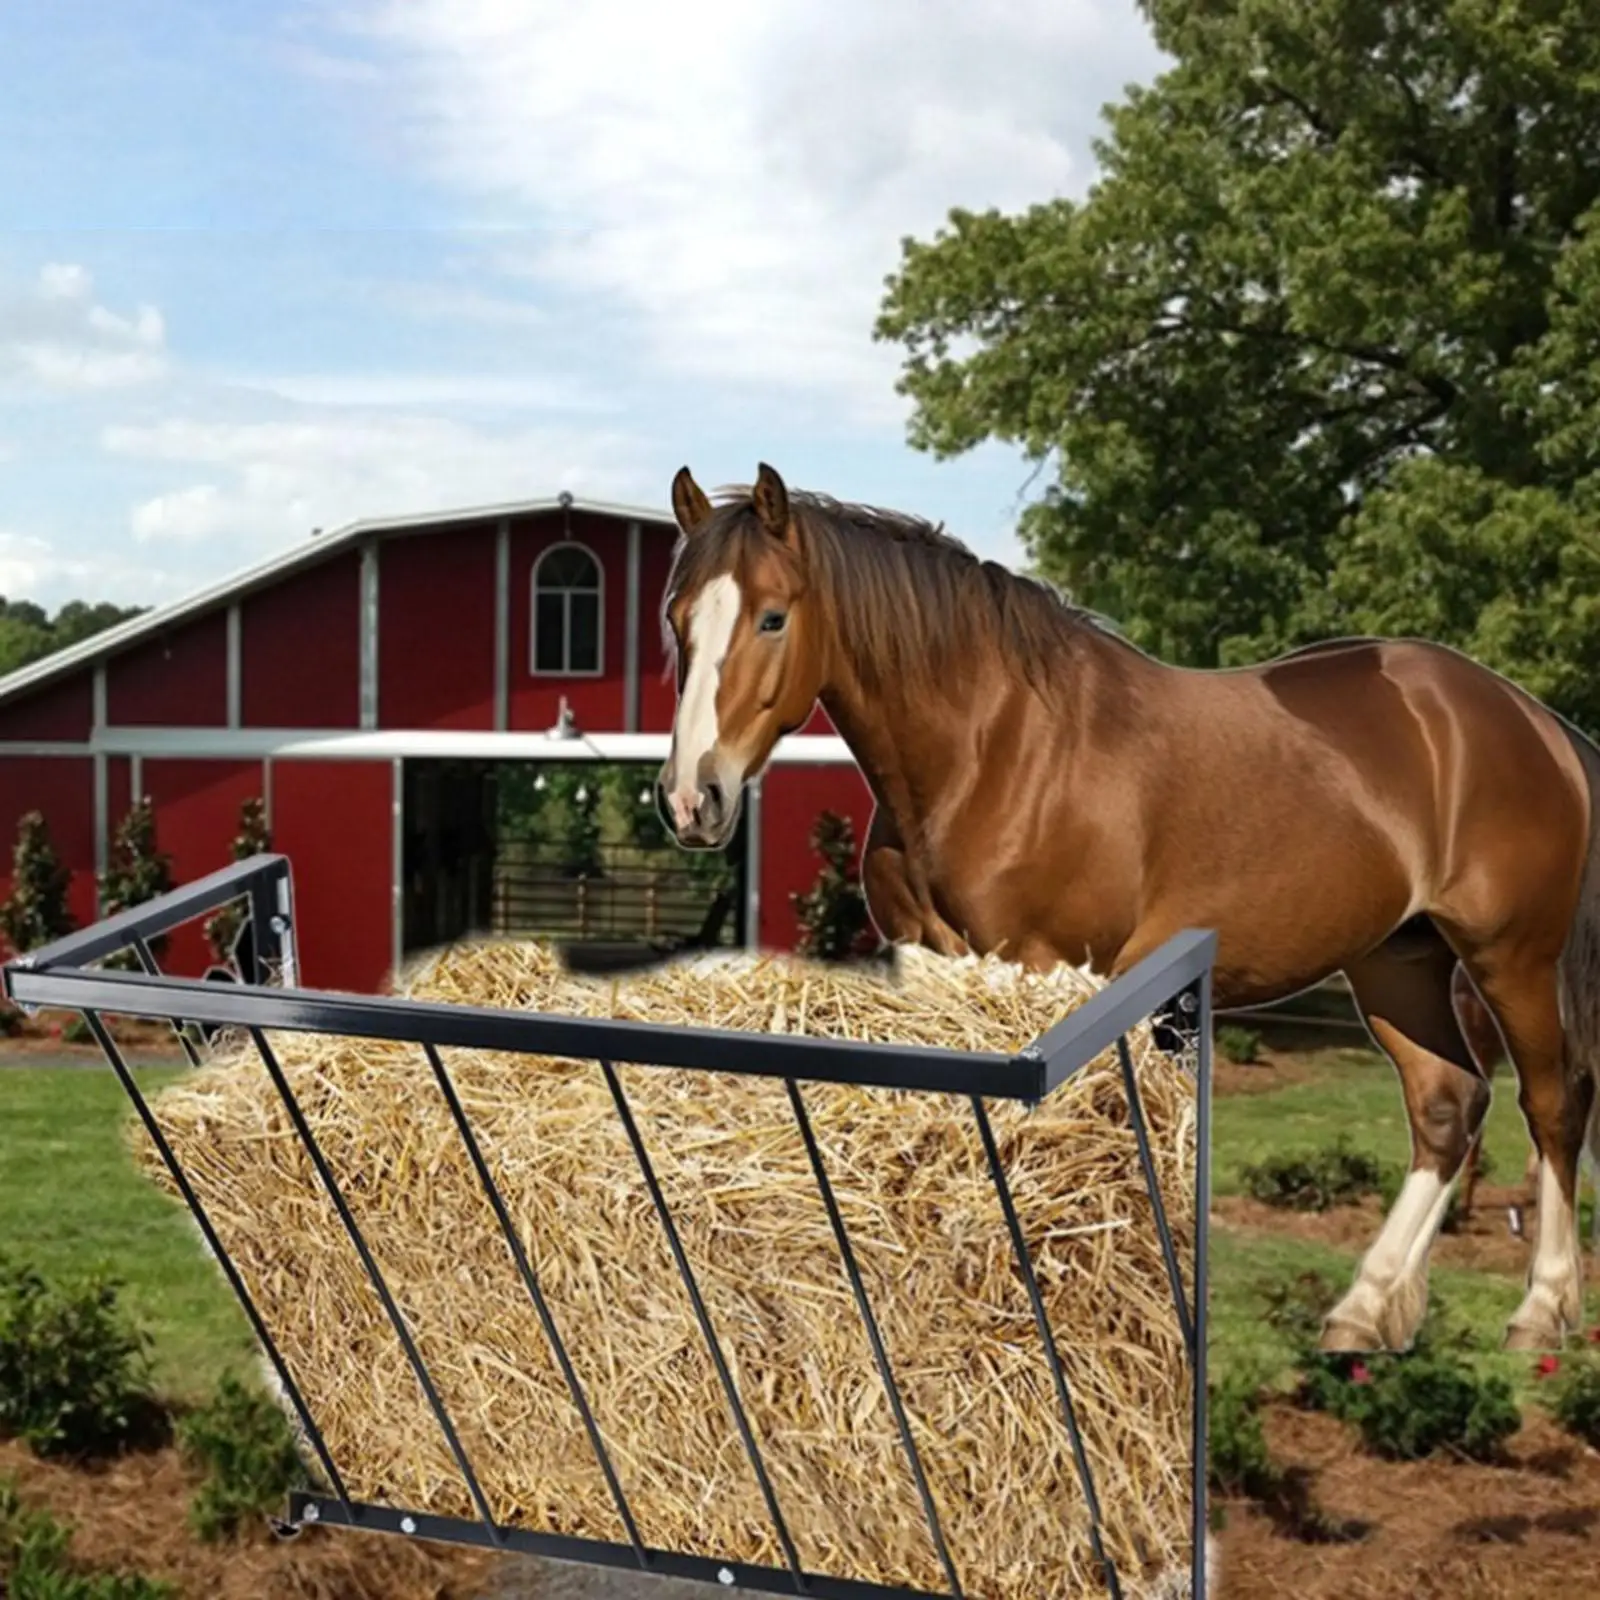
311, 1514
724, 1575
407, 1525
1187, 1003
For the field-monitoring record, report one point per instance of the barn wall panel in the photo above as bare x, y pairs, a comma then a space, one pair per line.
598, 703
334, 821
436, 634
60, 710
657, 693
176, 680
197, 816
792, 798
62, 788
300, 649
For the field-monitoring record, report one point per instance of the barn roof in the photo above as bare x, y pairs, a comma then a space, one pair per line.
308, 553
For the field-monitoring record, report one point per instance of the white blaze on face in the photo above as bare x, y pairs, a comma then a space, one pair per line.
712, 619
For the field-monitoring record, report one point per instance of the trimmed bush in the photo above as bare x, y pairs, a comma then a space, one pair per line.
1576, 1401
73, 1373
1242, 1046
1315, 1182
1407, 1406
243, 1446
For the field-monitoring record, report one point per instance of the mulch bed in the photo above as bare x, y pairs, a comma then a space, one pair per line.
130, 1514
1429, 1530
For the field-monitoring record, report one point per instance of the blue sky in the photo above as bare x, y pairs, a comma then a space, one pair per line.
266, 267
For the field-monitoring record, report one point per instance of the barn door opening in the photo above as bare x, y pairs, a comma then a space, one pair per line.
448, 814
572, 852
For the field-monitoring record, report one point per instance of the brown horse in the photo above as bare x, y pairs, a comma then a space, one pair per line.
1382, 808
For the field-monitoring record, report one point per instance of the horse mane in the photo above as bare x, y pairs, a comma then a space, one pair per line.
906, 595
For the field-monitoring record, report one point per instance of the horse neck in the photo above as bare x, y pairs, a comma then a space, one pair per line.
913, 735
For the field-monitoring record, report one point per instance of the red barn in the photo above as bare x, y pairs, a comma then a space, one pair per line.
374, 687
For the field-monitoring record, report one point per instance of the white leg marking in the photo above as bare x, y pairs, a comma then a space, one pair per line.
1390, 1291
694, 733
1556, 1282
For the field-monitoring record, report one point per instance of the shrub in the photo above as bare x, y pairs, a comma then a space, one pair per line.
1576, 1401
835, 924
35, 1563
136, 872
1240, 1462
242, 1444
73, 1372
76, 1031
1407, 1406
252, 839
35, 912
1325, 1178
1242, 1046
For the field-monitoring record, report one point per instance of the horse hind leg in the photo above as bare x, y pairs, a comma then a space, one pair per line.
1404, 993
1556, 1093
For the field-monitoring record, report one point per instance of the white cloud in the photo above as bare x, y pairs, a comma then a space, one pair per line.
264, 485
429, 389
741, 184
34, 568
184, 517
54, 335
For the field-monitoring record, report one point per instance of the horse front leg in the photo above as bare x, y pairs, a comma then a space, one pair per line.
901, 913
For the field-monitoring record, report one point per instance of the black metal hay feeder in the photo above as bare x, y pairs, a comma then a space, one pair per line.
1172, 985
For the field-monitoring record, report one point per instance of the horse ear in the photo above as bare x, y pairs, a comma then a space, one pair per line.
771, 502
689, 503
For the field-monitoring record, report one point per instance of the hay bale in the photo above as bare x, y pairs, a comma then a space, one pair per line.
914, 1190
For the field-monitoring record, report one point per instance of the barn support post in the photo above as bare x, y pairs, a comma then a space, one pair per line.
752, 868
369, 635
102, 792
397, 846
235, 666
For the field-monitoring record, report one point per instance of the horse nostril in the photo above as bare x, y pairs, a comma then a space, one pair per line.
714, 798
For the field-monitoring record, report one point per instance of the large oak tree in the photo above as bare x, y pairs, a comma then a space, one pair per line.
1320, 351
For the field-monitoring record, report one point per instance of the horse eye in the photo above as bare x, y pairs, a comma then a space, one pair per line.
772, 621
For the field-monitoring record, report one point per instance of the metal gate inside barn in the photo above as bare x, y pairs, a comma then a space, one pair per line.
571, 851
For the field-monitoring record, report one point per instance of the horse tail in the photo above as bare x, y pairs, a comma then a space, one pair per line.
1579, 971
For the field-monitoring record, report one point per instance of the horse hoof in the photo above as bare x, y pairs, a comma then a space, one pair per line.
1535, 1338
1349, 1339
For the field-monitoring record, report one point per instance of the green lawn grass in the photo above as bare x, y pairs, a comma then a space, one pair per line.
72, 1201
1354, 1094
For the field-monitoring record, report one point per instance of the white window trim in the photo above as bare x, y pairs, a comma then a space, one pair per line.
599, 670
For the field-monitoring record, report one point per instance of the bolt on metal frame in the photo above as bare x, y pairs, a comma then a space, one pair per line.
1173, 982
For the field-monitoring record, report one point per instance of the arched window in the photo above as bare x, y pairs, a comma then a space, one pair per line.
567, 611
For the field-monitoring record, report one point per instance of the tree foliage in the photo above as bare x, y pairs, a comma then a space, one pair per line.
35, 912
1320, 351
28, 632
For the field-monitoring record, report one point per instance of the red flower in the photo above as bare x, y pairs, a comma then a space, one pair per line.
1548, 1366
1359, 1373
1594, 1335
